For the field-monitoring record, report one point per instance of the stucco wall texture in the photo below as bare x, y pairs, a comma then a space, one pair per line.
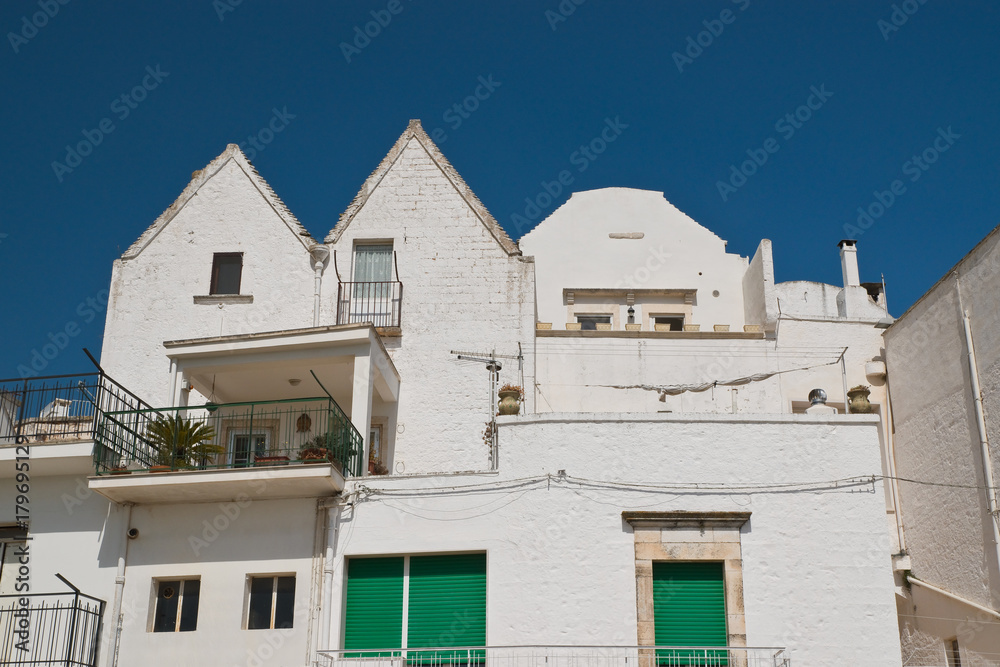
947, 528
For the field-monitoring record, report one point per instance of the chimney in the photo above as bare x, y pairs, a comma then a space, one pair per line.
849, 262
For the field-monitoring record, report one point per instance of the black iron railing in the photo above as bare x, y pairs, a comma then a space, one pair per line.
379, 303
51, 629
58, 407
228, 435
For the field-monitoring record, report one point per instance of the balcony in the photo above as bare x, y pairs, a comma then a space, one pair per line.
57, 407
55, 416
559, 656
50, 629
277, 449
375, 303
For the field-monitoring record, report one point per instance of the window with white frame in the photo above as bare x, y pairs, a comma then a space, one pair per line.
176, 605
270, 602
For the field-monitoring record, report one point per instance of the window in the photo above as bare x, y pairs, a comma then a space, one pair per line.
438, 589
272, 603
373, 263
376, 452
176, 605
689, 609
227, 268
590, 322
953, 653
689, 573
244, 445
668, 323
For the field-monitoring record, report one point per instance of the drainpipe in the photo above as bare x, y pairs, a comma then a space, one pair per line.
984, 445
116, 608
332, 506
891, 456
320, 253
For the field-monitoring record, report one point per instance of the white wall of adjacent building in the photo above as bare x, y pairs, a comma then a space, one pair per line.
948, 529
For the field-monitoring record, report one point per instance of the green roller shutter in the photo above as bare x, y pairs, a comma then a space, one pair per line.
689, 609
374, 603
447, 601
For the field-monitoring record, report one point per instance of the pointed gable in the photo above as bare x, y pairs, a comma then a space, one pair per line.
203, 176
415, 132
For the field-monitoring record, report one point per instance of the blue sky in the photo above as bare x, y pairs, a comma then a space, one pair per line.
887, 106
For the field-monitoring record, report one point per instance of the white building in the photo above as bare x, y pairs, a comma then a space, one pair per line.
944, 370
664, 483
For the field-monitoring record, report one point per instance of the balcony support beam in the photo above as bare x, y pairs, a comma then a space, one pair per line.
361, 400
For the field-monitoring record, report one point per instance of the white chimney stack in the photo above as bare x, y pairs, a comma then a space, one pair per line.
849, 262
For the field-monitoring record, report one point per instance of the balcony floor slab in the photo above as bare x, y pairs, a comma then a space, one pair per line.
203, 486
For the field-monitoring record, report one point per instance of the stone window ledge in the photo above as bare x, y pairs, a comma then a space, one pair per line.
213, 299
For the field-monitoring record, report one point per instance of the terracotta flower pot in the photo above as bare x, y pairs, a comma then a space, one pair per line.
859, 402
510, 402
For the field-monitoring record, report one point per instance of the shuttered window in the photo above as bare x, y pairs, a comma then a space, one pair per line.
447, 601
446, 605
689, 609
374, 603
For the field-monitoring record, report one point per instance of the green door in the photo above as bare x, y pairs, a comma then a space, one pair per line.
374, 604
447, 605
689, 609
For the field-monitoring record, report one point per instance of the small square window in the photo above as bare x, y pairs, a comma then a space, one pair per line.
272, 603
227, 269
176, 605
675, 322
590, 322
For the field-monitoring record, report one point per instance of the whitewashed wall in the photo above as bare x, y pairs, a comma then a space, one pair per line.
561, 559
462, 291
572, 249
226, 208
948, 532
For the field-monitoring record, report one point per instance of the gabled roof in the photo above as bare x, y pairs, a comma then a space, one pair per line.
415, 131
199, 178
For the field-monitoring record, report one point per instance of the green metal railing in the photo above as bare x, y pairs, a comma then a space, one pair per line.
229, 435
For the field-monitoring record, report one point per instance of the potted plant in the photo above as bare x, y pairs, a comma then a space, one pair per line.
858, 399
325, 448
180, 443
511, 396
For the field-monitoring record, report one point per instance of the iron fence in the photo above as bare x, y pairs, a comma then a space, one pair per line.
228, 435
376, 302
58, 407
559, 656
51, 629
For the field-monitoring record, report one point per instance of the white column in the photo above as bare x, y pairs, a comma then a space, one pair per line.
361, 401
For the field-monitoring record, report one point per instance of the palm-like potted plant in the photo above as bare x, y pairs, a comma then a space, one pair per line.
181, 443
